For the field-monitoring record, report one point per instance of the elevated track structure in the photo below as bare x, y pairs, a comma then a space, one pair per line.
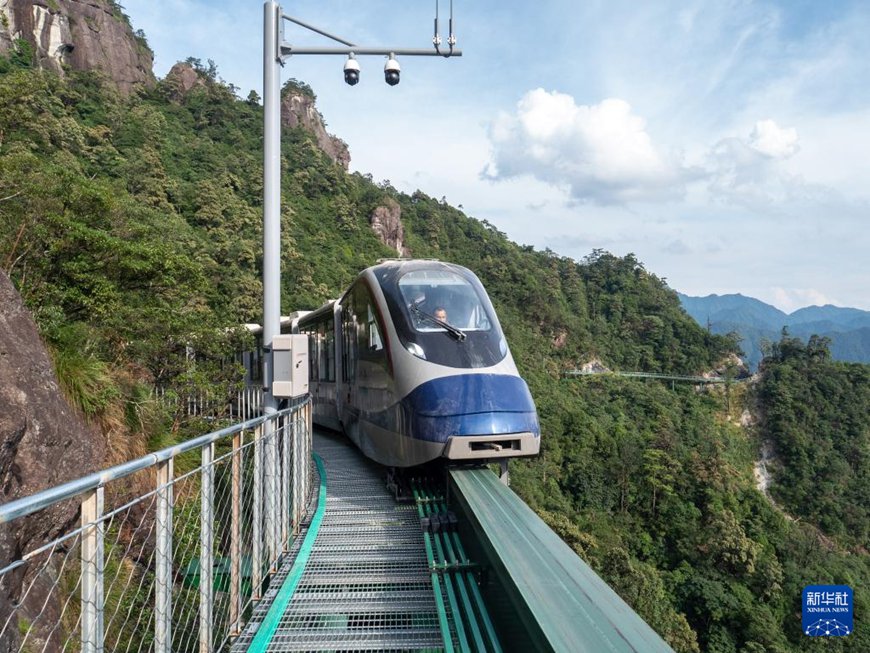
239, 541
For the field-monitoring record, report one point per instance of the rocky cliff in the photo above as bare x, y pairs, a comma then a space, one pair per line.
386, 222
298, 109
80, 34
42, 443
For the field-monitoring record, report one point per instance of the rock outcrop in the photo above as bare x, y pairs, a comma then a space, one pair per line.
732, 366
594, 366
81, 34
386, 222
43, 443
297, 109
181, 79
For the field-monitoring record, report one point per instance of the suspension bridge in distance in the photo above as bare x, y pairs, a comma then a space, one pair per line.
700, 380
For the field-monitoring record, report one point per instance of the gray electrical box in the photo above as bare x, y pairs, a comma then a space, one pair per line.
289, 365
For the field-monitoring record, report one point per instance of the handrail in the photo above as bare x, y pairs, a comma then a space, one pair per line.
184, 560
36, 502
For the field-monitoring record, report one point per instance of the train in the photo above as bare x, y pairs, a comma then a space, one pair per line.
412, 365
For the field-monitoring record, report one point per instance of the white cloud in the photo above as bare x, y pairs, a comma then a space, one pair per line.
791, 299
771, 140
751, 171
600, 153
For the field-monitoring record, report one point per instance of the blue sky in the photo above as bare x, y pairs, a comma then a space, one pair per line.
722, 142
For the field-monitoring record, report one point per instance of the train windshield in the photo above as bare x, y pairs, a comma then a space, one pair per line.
444, 316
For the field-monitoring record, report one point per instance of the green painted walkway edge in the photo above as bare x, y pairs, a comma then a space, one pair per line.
273, 617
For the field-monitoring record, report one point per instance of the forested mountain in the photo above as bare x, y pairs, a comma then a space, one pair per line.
759, 325
817, 416
131, 227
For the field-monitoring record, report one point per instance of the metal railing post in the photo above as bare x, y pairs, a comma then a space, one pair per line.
309, 444
303, 470
271, 488
206, 556
286, 433
257, 536
92, 571
296, 488
163, 559
236, 535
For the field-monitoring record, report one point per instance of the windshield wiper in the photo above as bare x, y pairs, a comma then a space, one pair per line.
457, 333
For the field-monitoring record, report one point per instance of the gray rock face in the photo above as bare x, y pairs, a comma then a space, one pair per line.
82, 34
298, 109
43, 443
181, 79
386, 222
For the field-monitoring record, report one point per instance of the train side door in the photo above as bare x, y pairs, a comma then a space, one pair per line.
348, 353
372, 371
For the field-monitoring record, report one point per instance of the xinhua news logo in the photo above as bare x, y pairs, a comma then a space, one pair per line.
827, 610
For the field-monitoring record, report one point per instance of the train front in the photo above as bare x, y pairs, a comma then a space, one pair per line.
461, 396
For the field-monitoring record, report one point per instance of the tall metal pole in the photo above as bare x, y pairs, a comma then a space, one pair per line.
271, 192
271, 242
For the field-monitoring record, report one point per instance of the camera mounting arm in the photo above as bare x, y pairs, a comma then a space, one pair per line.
285, 49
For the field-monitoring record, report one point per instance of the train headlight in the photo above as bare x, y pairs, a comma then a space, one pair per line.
416, 350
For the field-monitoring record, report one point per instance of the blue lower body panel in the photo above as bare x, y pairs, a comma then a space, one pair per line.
467, 416
469, 404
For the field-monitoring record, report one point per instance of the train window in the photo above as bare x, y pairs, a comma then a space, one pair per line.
312, 353
330, 349
444, 295
310, 330
348, 349
256, 365
370, 344
375, 342
321, 352
419, 296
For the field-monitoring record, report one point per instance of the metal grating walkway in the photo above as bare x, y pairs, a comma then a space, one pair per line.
366, 586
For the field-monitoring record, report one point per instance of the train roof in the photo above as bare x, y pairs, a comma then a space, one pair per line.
326, 307
286, 321
412, 264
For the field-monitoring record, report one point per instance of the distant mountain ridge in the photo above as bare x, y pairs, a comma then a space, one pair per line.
756, 322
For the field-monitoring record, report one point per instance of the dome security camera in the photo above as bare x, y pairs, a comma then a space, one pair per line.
392, 70
351, 71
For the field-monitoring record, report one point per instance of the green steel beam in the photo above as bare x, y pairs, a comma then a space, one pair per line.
555, 600
451, 595
494, 644
436, 583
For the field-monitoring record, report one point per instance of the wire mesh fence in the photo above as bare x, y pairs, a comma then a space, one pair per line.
246, 404
170, 552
